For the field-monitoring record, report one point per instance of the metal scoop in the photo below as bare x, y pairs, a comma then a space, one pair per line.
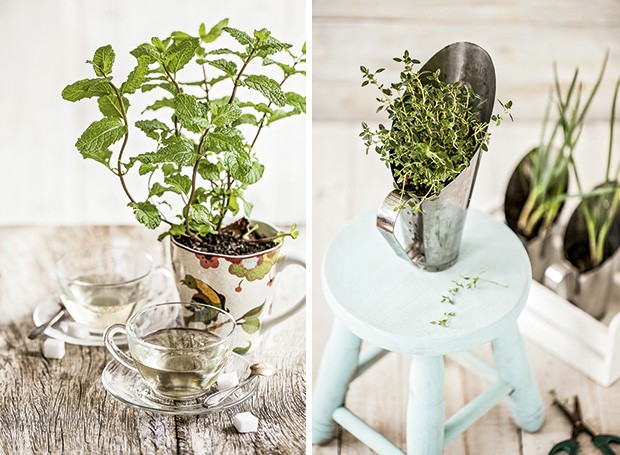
468, 64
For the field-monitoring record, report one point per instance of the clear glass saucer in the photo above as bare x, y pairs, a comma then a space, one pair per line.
44, 312
128, 387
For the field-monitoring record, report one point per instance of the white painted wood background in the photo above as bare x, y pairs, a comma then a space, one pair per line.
43, 179
523, 37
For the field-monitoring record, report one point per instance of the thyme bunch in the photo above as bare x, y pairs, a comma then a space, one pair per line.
435, 130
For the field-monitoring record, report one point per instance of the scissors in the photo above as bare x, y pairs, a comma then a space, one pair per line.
571, 446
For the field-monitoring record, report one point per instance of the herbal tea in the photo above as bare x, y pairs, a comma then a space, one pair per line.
185, 372
96, 305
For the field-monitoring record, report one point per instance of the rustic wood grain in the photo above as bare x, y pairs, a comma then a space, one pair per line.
60, 406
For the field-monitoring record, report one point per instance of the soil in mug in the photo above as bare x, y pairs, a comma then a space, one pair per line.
230, 241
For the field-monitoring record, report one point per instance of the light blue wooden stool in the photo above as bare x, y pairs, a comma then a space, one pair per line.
385, 301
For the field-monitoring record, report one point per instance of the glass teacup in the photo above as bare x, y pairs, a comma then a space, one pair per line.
101, 286
178, 348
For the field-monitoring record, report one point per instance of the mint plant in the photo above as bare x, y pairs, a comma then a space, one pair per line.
435, 130
203, 129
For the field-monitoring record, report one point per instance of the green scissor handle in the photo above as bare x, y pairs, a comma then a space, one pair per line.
602, 441
570, 447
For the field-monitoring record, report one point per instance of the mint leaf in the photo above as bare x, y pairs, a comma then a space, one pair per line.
230, 68
168, 169
267, 86
137, 76
152, 128
180, 53
262, 34
225, 140
170, 88
254, 174
296, 101
97, 138
181, 182
214, 33
191, 113
246, 119
259, 107
146, 169
86, 88
238, 164
179, 151
103, 60
147, 50
157, 190
110, 107
208, 171
158, 104
146, 213
224, 51
102, 156
247, 208
270, 46
287, 69
240, 36
200, 214
224, 115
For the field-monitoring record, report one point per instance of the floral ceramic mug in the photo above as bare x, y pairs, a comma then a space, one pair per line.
244, 285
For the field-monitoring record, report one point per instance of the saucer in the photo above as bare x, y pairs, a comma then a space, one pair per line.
128, 387
44, 312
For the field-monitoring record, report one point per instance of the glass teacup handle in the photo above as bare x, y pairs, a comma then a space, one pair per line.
387, 218
121, 356
285, 261
165, 284
557, 277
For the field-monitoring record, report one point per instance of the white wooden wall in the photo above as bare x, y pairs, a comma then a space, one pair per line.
43, 179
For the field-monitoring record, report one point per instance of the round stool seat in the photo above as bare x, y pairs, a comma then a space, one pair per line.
389, 302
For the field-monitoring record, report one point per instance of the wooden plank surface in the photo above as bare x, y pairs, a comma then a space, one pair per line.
60, 406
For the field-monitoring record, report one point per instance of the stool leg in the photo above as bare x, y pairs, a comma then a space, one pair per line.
337, 368
526, 405
425, 412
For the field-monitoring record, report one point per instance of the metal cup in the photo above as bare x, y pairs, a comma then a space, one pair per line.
429, 235
589, 290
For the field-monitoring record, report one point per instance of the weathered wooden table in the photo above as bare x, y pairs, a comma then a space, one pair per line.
60, 406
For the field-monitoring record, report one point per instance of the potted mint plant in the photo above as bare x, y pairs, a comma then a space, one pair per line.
439, 117
209, 105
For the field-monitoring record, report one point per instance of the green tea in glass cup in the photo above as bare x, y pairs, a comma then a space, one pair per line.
104, 285
178, 348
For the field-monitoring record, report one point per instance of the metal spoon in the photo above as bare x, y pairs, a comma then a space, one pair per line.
41, 328
257, 369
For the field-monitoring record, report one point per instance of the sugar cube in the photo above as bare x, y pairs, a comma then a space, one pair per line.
245, 422
53, 348
227, 380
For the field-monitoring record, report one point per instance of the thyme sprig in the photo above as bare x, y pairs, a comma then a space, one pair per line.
463, 282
